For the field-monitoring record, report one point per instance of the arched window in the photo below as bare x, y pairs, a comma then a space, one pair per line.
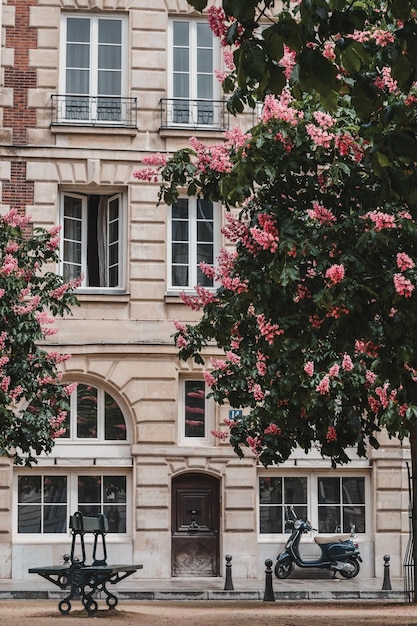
94, 414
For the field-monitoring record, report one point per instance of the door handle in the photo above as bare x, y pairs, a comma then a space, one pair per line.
193, 527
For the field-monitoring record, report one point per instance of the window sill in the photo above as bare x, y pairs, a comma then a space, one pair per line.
93, 128
96, 296
192, 131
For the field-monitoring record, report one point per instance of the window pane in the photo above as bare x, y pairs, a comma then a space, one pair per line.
354, 516
329, 519
29, 489
89, 491
29, 519
181, 33
329, 490
72, 252
270, 519
353, 490
205, 253
205, 231
110, 31
86, 411
180, 209
116, 516
55, 519
205, 62
77, 82
295, 490
204, 35
203, 280
205, 88
114, 489
205, 210
181, 60
179, 276
78, 56
78, 29
115, 426
55, 489
195, 401
179, 231
181, 86
270, 490
109, 83
180, 253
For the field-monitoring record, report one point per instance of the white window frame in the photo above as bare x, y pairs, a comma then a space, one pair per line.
192, 72
207, 440
72, 502
192, 246
312, 499
83, 197
93, 62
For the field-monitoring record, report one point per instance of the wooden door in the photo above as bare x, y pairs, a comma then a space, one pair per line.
195, 525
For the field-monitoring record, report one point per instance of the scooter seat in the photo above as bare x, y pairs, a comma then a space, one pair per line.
334, 539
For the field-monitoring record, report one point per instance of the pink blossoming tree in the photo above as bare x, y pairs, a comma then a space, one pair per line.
316, 308
33, 402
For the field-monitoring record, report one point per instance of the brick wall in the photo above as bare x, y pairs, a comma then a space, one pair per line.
20, 78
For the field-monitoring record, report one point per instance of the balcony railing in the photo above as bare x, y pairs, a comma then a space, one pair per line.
195, 114
93, 111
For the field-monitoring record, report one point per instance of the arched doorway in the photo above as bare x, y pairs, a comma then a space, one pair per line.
195, 525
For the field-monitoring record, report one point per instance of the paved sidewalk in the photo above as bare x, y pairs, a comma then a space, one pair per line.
323, 587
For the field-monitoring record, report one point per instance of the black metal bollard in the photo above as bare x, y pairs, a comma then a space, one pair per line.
228, 585
269, 592
386, 585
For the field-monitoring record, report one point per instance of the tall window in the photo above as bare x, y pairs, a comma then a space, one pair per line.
333, 504
196, 412
194, 86
92, 239
45, 501
194, 228
94, 53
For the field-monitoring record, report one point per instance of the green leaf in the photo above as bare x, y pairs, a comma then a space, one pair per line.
273, 42
316, 73
199, 5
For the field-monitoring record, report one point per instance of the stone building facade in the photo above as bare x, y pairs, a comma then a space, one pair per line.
87, 89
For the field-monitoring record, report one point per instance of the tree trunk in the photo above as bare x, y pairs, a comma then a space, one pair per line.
413, 446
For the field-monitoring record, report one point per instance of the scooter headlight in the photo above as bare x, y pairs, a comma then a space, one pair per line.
297, 524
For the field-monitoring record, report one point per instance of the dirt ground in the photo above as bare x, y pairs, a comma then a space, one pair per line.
210, 613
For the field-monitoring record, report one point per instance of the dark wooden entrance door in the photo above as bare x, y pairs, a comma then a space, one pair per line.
195, 525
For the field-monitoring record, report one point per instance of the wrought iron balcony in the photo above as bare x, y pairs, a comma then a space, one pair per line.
195, 114
93, 111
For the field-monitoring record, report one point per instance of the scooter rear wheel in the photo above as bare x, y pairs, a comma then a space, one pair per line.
283, 568
355, 572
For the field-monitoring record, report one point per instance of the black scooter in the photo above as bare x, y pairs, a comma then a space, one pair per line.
338, 553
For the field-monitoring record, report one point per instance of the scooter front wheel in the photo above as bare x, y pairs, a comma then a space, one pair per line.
283, 568
355, 564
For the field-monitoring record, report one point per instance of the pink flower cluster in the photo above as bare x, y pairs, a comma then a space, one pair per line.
280, 109
319, 136
381, 220
321, 214
404, 262
267, 235
345, 143
335, 273
386, 81
324, 385
268, 330
309, 368
272, 429
203, 297
403, 286
331, 434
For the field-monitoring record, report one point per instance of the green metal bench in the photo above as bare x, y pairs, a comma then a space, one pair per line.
85, 580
